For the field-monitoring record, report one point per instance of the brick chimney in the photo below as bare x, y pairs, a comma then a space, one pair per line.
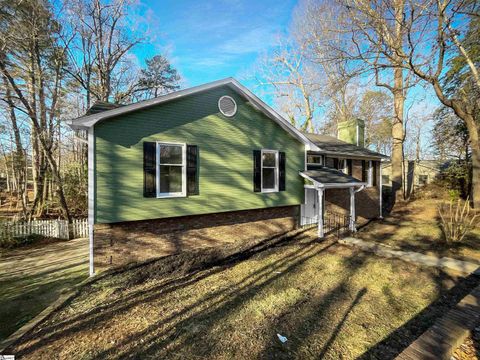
352, 131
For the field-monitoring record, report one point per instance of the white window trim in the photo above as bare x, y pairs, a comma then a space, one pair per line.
370, 174
316, 164
183, 193
276, 170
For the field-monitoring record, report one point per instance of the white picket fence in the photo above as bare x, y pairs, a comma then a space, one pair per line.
51, 228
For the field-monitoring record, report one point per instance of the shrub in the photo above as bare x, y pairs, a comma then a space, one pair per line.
457, 219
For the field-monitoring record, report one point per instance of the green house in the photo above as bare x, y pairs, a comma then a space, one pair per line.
197, 167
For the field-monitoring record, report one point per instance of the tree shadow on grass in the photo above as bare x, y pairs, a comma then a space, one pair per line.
192, 327
402, 337
201, 265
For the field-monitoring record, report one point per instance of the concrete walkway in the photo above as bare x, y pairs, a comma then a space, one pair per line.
31, 279
462, 267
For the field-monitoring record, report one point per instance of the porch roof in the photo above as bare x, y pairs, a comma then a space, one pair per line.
331, 178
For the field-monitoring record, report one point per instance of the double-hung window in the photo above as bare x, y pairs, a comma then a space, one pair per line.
269, 170
171, 169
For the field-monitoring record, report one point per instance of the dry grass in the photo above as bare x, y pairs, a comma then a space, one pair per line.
328, 300
415, 226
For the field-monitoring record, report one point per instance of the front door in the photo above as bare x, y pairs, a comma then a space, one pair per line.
309, 213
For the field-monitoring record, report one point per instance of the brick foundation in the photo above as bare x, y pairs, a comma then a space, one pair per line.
122, 243
366, 203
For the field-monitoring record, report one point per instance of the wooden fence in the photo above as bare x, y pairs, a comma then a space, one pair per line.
52, 228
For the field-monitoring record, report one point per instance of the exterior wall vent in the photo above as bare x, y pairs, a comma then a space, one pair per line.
227, 106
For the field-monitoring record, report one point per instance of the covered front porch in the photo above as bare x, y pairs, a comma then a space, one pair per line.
318, 181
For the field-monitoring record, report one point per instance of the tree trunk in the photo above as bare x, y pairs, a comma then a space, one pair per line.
473, 132
398, 135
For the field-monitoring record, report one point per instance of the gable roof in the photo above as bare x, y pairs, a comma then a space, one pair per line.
330, 178
331, 145
89, 120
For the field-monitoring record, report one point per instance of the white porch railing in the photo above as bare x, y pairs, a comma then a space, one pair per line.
52, 228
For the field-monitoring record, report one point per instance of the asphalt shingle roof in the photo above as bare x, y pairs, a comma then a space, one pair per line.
101, 106
332, 145
327, 175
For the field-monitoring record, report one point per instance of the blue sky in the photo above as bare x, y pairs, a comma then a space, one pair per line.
210, 40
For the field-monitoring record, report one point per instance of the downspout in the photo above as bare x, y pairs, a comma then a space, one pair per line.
91, 197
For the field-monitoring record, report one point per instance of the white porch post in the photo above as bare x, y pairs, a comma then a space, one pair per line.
381, 191
352, 209
320, 212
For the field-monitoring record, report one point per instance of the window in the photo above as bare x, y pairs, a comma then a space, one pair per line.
314, 160
171, 170
385, 179
422, 179
269, 171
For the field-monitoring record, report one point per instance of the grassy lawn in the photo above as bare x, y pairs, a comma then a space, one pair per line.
329, 301
31, 279
415, 226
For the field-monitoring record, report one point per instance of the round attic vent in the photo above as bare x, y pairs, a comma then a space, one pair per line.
227, 106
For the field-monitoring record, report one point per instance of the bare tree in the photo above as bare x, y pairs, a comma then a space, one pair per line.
437, 32
376, 109
296, 84
31, 62
377, 31
103, 41
315, 26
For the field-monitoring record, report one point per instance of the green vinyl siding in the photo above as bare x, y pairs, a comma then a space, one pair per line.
225, 158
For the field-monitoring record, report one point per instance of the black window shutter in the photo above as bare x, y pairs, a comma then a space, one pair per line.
149, 169
374, 180
335, 163
192, 170
364, 172
281, 171
350, 167
257, 170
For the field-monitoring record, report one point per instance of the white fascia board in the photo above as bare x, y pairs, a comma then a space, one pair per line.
90, 120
